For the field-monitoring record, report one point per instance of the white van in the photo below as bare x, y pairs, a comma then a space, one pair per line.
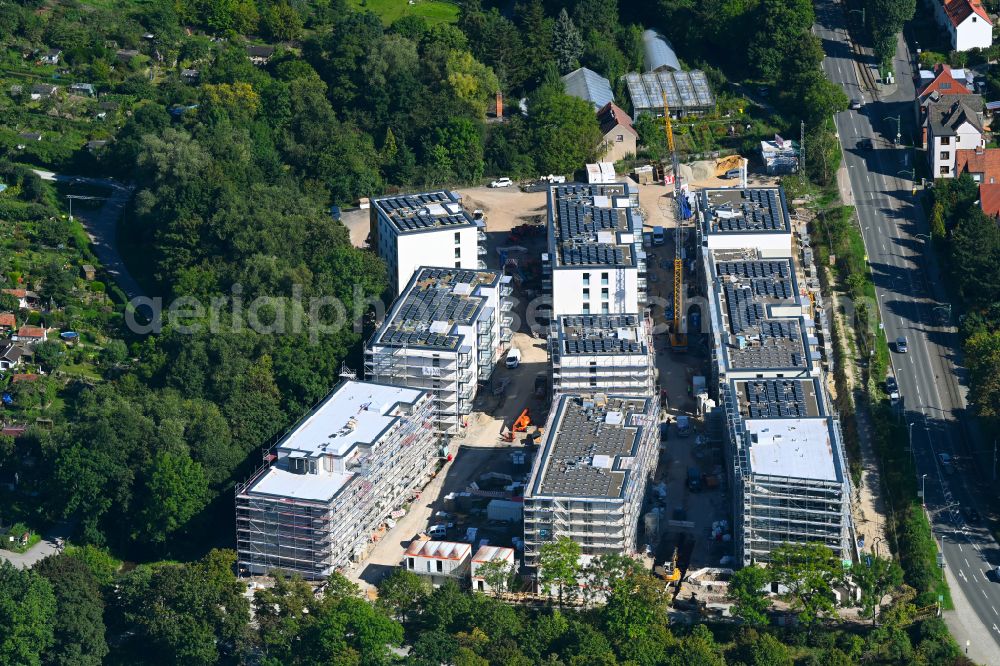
437, 531
513, 358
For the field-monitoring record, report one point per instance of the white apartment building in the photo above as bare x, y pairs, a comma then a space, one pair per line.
954, 122
333, 478
589, 478
607, 353
444, 334
428, 229
438, 560
968, 24
733, 218
595, 263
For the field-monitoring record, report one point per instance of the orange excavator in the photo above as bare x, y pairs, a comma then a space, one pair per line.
520, 424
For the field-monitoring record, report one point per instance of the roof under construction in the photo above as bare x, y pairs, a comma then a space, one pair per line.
591, 225
794, 448
745, 210
589, 445
600, 334
412, 213
435, 301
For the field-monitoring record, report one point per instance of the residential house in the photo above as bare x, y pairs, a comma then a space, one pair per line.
43, 91
942, 81
51, 57
125, 56
983, 164
25, 298
96, 145
619, 138
83, 89
258, 54
190, 75
968, 24
8, 322
10, 355
589, 86
989, 199
954, 122
30, 335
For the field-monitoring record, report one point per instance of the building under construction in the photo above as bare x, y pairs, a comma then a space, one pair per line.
444, 334
589, 478
787, 466
330, 483
609, 353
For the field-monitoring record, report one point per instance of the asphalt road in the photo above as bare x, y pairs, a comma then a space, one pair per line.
908, 288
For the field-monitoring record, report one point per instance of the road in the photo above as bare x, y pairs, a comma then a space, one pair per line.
47, 546
102, 227
908, 291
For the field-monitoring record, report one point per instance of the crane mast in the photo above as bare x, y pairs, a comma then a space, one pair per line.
678, 339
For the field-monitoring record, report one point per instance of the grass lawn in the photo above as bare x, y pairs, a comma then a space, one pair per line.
434, 11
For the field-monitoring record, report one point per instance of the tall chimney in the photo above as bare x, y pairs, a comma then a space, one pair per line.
499, 105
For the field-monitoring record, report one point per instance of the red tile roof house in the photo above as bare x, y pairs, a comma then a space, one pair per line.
619, 136
983, 164
989, 199
25, 298
968, 24
30, 334
7, 321
942, 84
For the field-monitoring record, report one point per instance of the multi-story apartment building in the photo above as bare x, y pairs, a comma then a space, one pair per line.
595, 263
444, 334
428, 229
589, 478
784, 445
333, 478
607, 353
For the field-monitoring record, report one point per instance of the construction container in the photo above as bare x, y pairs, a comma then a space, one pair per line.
504, 511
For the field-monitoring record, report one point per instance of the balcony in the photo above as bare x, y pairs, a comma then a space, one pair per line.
506, 305
481, 265
506, 334
506, 321
481, 250
505, 289
481, 236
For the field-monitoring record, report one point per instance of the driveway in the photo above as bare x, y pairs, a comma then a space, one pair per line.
41, 550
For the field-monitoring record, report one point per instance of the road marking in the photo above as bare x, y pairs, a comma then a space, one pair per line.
961, 572
994, 611
984, 593
996, 629
967, 561
984, 575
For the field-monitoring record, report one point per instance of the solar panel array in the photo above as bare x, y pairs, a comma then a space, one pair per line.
598, 334
775, 344
775, 398
592, 253
766, 279
758, 210
578, 221
686, 91
744, 312
602, 346
409, 211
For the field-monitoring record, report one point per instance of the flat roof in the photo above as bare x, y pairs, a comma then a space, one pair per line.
778, 398
601, 334
433, 304
793, 448
748, 291
589, 443
427, 211
320, 487
592, 224
752, 210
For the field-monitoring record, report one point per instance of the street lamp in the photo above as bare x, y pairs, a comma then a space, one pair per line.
912, 173
899, 134
923, 491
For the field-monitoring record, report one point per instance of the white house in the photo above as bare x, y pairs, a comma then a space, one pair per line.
438, 560
428, 229
967, 22
954, 122
486, 555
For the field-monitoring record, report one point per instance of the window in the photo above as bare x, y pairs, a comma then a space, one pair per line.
619, 138
945, 86
458, 253
440, 566
586, 279
411, 563
604, 278
605, 309
586, 308
586, 293
977, 177
944, 155
604, 293
458, 237
458, 264
946, 141
945, 170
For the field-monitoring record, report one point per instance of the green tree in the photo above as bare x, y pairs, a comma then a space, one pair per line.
460, 149
982, 354
779, 24
27, 608
809, 573
99, 561
282, 611
79, 617
175, 491
563, 130
50, 354
876, 579
497, 574
748, 590
114, 353
402, 593
9, 303
567, 45
559, 566
281, 22
886, 19
57, 282
769, 651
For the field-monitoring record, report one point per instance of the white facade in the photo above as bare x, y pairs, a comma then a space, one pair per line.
943, 149
488, 554
440, 560
967, 23
595, 263
429, 229
609, 353
445, 334
735, 218
333, 479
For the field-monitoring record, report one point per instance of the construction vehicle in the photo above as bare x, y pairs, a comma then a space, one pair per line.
678, 337
520, 424
669, 571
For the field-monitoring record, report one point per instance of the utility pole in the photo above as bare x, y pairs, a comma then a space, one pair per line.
802, 148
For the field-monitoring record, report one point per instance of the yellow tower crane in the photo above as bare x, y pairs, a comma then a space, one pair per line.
678, 338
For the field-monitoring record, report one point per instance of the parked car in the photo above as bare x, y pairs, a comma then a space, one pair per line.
732, 173
502, 182
437, 531
513, 358
901, 345
659, 236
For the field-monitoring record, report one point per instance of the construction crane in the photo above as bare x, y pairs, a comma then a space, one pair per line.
678, 338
